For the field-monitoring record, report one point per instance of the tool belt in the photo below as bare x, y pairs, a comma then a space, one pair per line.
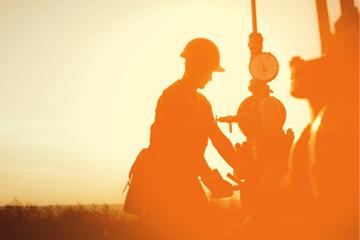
137, 194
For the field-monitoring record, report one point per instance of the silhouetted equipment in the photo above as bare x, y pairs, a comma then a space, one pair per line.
260, 117
228, 119
324, 24
203, 52
259, 114
263, 67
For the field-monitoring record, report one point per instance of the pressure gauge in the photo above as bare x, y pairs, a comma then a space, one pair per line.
264, 67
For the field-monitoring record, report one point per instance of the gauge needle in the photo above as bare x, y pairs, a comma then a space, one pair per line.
262, 64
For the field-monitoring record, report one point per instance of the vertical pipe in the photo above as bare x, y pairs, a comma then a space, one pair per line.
253, 13
324, 24
346, 5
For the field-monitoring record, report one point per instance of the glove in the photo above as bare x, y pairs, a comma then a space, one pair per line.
218, 187
274, 149
244, 152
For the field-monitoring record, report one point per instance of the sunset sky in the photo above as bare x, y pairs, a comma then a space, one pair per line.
79, 81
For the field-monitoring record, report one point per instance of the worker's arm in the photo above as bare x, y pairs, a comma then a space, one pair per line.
204, 168
212, 179
223, 145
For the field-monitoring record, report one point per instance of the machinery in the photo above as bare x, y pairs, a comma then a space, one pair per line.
260, 117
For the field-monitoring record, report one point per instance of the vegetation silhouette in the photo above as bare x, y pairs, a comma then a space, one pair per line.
31, 222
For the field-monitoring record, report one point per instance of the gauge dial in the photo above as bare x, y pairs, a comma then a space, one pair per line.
264, 67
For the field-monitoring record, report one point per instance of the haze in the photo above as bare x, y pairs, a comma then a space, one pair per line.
79, 81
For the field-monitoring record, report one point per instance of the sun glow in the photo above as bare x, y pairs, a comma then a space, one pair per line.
80, 84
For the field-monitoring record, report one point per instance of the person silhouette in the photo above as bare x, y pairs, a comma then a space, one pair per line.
177, 207
327, 153
322, 183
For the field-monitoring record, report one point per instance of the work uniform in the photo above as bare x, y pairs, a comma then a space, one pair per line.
325, 168
334, 165
178, 207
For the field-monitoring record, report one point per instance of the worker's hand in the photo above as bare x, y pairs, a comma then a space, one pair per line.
225, 189
274, 149
244, 152
218, 187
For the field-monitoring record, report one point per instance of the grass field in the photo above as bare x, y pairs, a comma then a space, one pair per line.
20, 221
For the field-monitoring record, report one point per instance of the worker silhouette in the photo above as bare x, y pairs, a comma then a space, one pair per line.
322, 184
331, 150
178, 207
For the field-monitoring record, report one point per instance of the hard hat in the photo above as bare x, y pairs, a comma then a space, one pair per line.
203, 52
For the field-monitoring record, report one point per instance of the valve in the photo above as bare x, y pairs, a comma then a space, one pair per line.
228, 119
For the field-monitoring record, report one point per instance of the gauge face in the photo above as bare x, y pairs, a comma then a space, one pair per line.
264, 67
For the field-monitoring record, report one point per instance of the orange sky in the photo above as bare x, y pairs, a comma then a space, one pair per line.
80, 80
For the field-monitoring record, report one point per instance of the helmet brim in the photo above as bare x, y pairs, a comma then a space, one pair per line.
219, 69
